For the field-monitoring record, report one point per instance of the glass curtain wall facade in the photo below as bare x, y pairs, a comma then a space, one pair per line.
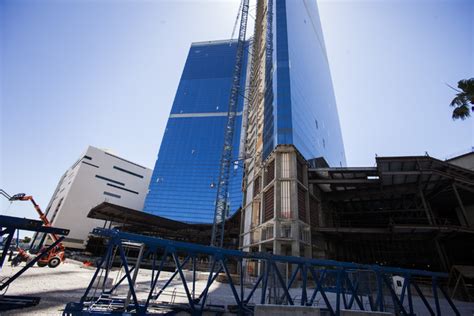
300, 107
184, 181
291, 105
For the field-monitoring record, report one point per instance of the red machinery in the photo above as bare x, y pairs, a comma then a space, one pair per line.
56, 255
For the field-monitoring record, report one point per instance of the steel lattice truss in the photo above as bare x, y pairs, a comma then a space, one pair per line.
9, 226
221, 209
335, 285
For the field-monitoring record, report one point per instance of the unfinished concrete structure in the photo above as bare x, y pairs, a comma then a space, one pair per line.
254, 126
414, 212
277, 212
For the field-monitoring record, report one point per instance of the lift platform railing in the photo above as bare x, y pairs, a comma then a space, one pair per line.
333, 285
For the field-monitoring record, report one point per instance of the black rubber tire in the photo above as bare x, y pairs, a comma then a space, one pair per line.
41, 264
16, 261
54, 262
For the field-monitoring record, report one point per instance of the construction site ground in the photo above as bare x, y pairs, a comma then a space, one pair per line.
67, 283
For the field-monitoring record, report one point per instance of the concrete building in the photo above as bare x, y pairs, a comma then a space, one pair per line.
409, 211
97, 176
291, 102
279, 206
465, 160
184, 181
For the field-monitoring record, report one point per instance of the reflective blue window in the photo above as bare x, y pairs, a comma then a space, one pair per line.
184, 181
304, 111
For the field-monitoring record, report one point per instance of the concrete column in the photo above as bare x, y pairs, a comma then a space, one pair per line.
276, 247
295, 248
260, 173
307, 219
307, 251
277, 197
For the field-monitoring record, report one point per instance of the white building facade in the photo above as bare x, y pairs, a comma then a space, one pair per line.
98, 176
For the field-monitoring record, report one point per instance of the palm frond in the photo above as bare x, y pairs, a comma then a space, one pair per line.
464, 100
454, 102
466, 85
457, 90
462, 112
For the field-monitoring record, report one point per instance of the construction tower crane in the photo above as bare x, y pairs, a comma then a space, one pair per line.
221, 208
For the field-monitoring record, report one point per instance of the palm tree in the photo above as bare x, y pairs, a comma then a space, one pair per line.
463, 103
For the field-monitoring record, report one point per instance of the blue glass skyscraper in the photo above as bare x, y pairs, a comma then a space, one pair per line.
300, 106
184, 181
291, 101
291, 105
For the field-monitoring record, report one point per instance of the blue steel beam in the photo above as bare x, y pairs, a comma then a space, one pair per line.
30, 225
154, 279
129, 278
42, 253
293, 276
172, 277
394, 296
283, 285
423, 298
6, 245
109, 266
210, 280
379, 303
266, 273
96, 273
255, 286
435, 295
231, 283
338, 291
209, 250
194, 276
304, 275
118, 283
11, 225
446, 296
185, 284
354, 297
410, 300
319, 288
323, 272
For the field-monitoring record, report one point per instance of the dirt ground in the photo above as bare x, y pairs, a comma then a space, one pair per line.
68, 282
56, 287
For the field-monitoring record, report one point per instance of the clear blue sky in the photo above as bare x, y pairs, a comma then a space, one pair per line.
104, 73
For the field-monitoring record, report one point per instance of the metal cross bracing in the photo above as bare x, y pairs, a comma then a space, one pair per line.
250, 279
221, 207
9, 226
